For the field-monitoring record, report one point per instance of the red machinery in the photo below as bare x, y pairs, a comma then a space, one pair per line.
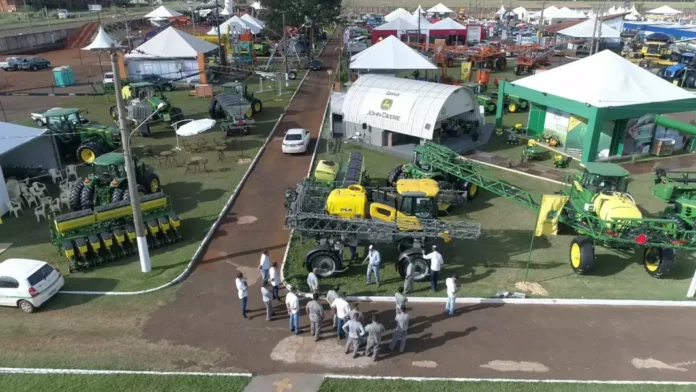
535, 57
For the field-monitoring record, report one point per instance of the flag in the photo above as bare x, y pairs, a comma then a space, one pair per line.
549, 212
465, 71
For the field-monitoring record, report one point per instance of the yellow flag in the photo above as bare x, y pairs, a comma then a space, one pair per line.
549, 212
466, 71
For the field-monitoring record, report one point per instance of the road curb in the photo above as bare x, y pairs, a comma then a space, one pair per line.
11, 370
505, 380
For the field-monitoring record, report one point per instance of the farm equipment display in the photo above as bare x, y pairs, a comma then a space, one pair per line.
512, 104
76, 136
108, 183
142, 100
683, 73
599, 209
332, 174
91, 237
534, 58
489, 58
673, 185
242, 90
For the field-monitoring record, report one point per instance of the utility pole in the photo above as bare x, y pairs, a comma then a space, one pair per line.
594, 29
285, 48
599, 32
45, 10
217, 21
26, 12
541, 20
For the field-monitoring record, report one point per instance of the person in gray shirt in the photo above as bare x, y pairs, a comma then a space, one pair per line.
316, 315
410, 274
374, 332
400, 331
400, 299
354, 330
356, 310
330, 297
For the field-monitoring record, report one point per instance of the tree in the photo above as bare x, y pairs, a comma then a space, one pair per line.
323, 13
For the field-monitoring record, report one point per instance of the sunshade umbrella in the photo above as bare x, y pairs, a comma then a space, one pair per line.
192, 128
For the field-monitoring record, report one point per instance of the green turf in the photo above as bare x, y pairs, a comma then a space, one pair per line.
121, 382
196, 198
336, 385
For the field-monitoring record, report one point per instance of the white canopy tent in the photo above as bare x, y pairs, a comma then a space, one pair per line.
256, 5
251, 20
171, 43
447, 24
521, 13
564, 13
236, 25
664, 10
418, 11
162, 12
398, 24
501, 11
390, 54
424, 23
102, 40
398, 13
604, 80
634, 11
585, 30
440, 9
228, 8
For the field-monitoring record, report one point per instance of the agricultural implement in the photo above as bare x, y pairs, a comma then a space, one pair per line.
512, 104
599, 209
489, 58
91, 237
532, 59
673, 185
242, 89
76, 136
142, 100
108, 182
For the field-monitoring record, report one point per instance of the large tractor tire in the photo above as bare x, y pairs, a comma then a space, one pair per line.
523, 104
86, 197
581, 255
117, 195
215, 110
88, 151
690, 82
175, 115
323, 259
658, 261
151, 183
501, 64
472, 190
422, 267
75, 194
256, 106
512, 107
142, 191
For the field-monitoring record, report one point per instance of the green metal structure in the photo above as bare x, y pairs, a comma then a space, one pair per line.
146, 92
90, 237
74, 136
108, 182
593, 196
242, 89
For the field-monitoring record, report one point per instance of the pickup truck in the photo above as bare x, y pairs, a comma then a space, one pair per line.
11, 63
34, 63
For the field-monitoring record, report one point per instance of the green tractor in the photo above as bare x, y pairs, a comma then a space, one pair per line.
240, 88
108, 183
74, 135
677, 188
145, 95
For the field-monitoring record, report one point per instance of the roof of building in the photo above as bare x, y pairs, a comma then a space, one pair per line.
397, 13
14, 135
406, 106
590, 28
569, 23
397, 24
162, 12
390, 54
172, 43
447, 24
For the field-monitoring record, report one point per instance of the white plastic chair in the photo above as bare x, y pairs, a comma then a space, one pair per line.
40, 188
39, 212
55, 175
14, 207
65, 199
71, 172
54, 206
30, 199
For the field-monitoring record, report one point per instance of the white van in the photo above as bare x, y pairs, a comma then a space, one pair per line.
27, 284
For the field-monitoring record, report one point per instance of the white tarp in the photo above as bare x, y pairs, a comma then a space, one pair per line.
418, 11
162, 12
172, 43
586, 28
602, 80
664, 10
397, 13
390, 54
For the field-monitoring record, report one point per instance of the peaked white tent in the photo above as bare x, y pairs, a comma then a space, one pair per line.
585, 29
256, 5
228, 8
398, 13
162, 12
664, 10
440, 9
398, 24
521, 13
390, 54
634, 11
171, 43
564, 13
102, 41
235, 24
603, 80
424, 23
548, 11
501, 11
418, 11
447, 24
251, 20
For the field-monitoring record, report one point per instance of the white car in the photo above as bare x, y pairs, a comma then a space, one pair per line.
27, 284
296, 141
108, 78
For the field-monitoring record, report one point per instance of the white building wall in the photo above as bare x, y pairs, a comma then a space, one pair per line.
170, 68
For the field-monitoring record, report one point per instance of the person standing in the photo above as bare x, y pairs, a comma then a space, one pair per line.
264, 265
356, 311
316, 315
436, 262
330, 297
266, 296
292, 303
340, 305
400, 299
374, 261
242, 292
400, 331
355, 331
275, 280
452, 288
374, 332
313, 281
410, 275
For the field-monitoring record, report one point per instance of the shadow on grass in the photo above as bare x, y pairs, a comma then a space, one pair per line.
65, 301
187, 195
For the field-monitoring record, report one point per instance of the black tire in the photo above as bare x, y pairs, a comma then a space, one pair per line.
404, 245
39, 123
678, 221
113, 111
117, 195
292, 75
86, 197
518, 70
126, 196
690, 81
34, 68
422, 267
90, 148
142, 191
26, 306
256, 106
151, 183
501, 64
215, 110
524, 104
658, 261
325, 260
175, 115
472, 190
75, 194
581, 255
394, 175
661, 71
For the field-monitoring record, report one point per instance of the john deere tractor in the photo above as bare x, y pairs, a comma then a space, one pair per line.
108, 182
75, 136
239, 89
145, 95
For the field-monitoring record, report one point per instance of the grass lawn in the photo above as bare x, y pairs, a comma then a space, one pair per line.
196, 198
121, 382
336, 385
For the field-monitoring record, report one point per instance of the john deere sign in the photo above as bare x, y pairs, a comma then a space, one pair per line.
383, 104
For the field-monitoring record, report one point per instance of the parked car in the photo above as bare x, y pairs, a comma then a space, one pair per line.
296, 141
159, 82
108, 78
34, 63
28, 284
11, 63
64, 14
316, 65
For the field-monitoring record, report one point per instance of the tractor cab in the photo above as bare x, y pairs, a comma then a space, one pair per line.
604, 177
139, 90
235, 88
61, 116
417, 198
109, 169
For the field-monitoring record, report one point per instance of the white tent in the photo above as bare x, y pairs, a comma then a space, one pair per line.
603, 80
521, 13
631, 17
390, 54
171, 43
447, 24
397, 24
585, 29
251, 20
501, 11
398, 13
162, 12
418, 11
564, 13
228, 8
634, 11
424, 23
664, 10
256, 5
101, 41
440, 9
235, 25
548, 12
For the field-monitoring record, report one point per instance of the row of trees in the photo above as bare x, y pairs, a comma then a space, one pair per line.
322, 13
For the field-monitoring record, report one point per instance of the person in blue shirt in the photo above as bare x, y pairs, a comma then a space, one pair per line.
374, 261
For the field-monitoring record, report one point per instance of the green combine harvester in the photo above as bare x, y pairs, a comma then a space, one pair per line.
76, 136
91, 237
599, 209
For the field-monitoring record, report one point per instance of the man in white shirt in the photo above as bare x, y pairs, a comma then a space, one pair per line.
436, 262
374, 260
340, 305
264, 265
313, 281
452, 288
275, 280
266, 296
293, 305
242, 292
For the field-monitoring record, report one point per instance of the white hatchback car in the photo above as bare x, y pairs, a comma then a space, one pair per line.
108, 78
27, 284
296, 141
